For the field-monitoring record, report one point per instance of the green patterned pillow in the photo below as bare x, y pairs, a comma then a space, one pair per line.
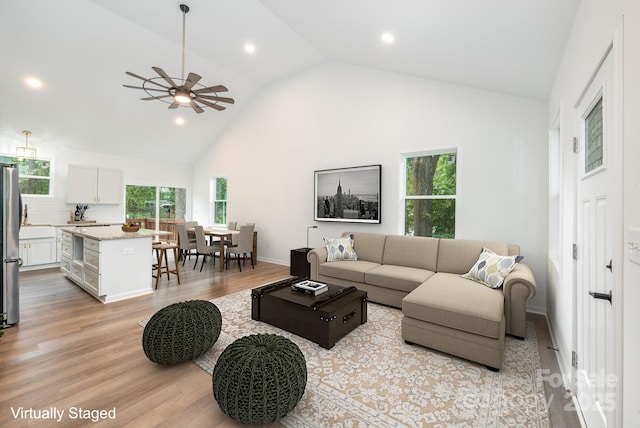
340, 249
491, 268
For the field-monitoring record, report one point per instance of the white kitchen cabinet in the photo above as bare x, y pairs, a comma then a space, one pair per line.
37, 246
90, 184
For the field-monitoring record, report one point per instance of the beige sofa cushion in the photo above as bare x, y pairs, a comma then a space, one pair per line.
412, 251
368, 246
397, 277
447, 299
459, 255
349, 270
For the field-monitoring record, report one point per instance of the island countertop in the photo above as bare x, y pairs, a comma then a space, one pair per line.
112, 232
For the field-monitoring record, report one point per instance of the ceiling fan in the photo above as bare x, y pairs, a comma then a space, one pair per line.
181, 92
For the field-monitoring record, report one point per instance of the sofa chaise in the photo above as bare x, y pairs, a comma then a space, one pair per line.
423, 277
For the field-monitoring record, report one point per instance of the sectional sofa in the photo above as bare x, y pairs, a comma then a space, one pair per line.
423, 276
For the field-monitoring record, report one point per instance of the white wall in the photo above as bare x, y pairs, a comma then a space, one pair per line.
594, 28
54, 210
340, 116
631, 271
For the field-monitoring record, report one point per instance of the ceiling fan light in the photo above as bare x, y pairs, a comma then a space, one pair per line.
182, 97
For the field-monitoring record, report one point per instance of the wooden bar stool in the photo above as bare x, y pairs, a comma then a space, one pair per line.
161, 255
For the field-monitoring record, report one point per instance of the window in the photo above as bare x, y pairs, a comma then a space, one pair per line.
155, 202
594, 152
34, 175
218, 200
430, 194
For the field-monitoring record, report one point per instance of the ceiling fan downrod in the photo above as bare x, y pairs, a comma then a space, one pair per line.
185, 9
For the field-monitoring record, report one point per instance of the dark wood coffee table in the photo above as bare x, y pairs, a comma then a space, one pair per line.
323, 319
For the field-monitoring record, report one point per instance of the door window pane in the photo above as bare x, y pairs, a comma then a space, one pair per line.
140, 202
593, 138
172, 203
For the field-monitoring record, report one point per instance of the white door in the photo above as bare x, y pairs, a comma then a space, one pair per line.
595, 372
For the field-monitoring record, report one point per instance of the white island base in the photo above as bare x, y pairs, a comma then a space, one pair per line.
109, 264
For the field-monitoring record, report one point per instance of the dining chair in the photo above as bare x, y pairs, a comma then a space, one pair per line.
187, 243
244, 246
232, 225
202, 249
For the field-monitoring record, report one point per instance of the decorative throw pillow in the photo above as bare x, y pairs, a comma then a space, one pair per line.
340, 249
491, 268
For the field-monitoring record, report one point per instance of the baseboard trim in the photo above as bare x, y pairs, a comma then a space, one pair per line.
562, 350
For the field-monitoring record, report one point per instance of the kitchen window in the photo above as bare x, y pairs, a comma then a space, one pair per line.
430, 194
34, 175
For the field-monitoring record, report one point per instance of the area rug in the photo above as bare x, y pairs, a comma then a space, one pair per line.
371, 378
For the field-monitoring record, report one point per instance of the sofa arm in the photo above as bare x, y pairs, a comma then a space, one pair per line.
315, 257
519, 286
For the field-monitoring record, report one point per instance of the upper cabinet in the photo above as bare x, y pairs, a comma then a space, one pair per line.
90, 184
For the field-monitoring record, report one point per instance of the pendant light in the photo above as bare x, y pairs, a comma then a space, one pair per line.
26, 152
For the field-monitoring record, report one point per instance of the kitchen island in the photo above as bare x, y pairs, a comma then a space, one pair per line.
108, 263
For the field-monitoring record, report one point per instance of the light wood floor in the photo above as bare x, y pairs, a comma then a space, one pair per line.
69, 350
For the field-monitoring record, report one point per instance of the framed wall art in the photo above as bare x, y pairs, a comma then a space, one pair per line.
348, 194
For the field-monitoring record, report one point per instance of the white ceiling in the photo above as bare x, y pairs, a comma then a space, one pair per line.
82, 48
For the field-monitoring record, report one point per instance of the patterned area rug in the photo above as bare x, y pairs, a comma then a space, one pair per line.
371, 378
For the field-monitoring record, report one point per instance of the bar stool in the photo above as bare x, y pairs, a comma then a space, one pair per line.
161, 255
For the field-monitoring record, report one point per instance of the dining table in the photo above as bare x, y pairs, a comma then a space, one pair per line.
227, 234
223, 234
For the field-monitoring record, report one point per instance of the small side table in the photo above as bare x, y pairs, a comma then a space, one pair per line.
299, 264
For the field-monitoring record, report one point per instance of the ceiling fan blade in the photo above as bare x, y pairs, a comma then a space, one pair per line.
220, 99
212, 105
165, 76
192, 79
145, 79
196, 107
174, 104
135, 75
155, 98
218, 88
145, 89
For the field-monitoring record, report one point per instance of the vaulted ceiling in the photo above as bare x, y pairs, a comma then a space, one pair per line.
81, 49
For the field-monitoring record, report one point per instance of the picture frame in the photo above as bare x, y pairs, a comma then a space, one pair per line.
351, 195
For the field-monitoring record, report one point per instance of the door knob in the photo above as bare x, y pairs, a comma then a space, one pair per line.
601, 296
610, 265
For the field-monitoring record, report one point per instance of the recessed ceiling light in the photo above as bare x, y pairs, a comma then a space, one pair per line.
387, 38
249, 48
179, 120
33, 82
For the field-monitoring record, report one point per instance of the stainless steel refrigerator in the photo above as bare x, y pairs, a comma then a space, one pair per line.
11, 261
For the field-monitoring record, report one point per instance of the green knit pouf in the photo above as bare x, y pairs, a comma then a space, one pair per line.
181, 331
259, 378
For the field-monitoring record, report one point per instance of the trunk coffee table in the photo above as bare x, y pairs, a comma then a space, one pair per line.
323, 319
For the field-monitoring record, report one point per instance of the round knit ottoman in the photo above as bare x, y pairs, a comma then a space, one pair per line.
181, 331
259, 378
